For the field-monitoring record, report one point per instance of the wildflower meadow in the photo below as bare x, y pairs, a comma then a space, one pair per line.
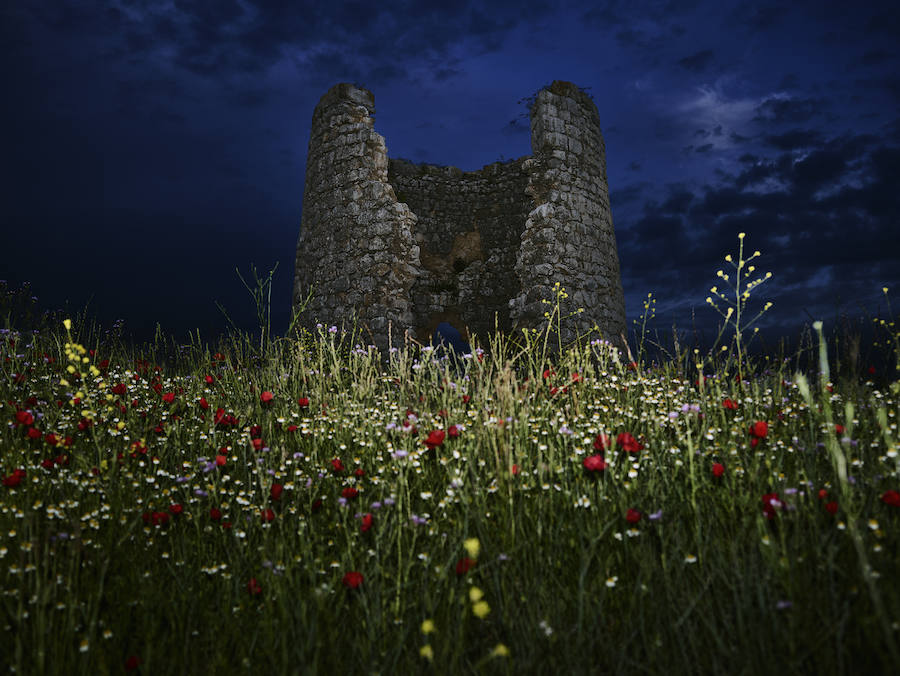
304, 505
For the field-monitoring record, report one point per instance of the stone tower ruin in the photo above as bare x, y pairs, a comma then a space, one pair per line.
384, 240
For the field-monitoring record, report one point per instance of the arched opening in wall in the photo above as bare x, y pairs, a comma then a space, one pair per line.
447, 337
450, 317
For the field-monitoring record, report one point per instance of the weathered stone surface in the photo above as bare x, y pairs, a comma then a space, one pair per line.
386, 241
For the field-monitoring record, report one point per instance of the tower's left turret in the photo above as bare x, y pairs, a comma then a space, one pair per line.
356, 243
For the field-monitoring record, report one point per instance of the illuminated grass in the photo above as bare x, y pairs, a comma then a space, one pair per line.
293, 508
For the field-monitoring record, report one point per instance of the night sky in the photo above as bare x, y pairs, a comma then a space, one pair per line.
150, 148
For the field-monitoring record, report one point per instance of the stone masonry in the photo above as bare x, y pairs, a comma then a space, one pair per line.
384, 240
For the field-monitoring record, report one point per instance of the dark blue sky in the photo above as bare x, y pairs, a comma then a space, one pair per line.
152, 147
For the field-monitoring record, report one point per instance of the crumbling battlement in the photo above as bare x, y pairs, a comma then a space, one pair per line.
384, 240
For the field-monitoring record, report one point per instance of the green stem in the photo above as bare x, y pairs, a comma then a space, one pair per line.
839, 462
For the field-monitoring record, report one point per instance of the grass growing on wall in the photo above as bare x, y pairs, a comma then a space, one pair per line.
292, 507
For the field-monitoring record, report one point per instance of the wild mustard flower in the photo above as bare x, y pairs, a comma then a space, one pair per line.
500, 650
740, 298
473, 547
427, 626
475, 594
481, 609
427, 652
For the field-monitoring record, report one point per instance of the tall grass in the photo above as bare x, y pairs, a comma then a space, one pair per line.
295, 505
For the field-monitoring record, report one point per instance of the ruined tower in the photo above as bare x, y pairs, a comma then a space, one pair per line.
384, 240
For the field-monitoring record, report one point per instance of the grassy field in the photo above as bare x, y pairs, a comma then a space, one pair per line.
294, 506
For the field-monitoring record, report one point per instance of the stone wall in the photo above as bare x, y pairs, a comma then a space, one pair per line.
384, 240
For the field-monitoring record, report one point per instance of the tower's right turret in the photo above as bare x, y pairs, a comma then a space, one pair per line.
569, 236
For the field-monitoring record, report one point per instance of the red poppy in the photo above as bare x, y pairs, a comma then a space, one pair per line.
24, 418
215, 514
838, 429
831, 507
267, 515
155, 518
435, 438
303, 401
266, 397
337, 465
209, 380
759, 429
14, 479
718, 469
119, 389
254, 587
367, 520
221, 460
514, 469
633, 516
132, 662
628, 442
203, 403
770, 502
349, 493
176, 508
352, 579
34, 433
602, 443
169, 397
275, 491
729, 404
464, 565
890, 497
595, 463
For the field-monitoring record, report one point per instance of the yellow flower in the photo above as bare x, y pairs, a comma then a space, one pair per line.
426, 652
427, 627
475, 594
473, 546
67, 323
500, 650
481, 609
